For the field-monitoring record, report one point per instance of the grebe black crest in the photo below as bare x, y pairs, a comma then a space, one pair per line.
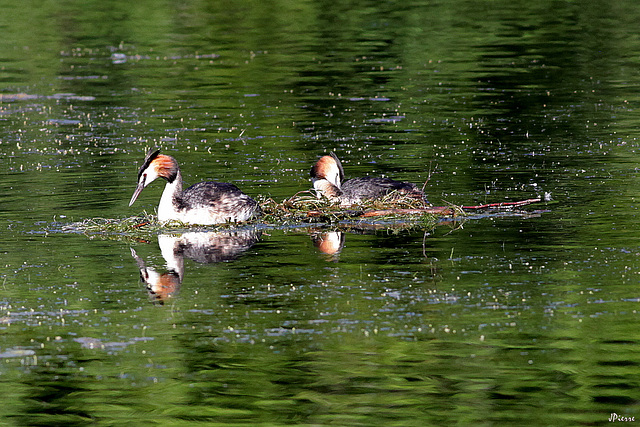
327, 176
203, 203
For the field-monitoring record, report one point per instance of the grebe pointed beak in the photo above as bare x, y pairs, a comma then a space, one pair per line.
136, 193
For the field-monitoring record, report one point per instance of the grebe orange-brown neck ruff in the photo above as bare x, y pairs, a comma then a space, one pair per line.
203, 203
327, 176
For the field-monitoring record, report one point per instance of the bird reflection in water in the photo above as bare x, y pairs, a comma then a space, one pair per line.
202, 247
329, 242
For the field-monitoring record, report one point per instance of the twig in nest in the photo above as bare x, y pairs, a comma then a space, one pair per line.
504, 204
428, 176
442, 210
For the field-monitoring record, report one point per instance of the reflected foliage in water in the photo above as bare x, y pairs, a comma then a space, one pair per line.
498, 319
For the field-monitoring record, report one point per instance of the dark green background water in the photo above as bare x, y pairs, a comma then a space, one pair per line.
516, 320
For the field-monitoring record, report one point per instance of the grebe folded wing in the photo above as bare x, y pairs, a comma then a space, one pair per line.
327, 176
221, 201
370, 188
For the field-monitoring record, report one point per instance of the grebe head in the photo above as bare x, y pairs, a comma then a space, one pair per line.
155, 165
329, 168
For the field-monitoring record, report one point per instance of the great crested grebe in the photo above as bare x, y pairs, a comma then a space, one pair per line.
202, 203
327, 175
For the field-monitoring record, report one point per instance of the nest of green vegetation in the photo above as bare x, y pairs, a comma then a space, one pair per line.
130, 228
137, 227
395, 211
305, 207
302, 209
120, 225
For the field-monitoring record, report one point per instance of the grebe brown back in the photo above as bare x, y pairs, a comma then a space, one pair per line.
203, 203
327, 176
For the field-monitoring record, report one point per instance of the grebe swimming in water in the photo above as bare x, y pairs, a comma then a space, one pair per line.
327, 175
202, 203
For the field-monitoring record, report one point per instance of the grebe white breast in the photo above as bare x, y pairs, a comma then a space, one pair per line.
203, 203
327, 176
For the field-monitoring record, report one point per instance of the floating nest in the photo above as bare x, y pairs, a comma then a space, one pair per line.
393, 211
306, 207
138, 228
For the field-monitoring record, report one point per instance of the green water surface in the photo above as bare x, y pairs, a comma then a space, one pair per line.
525, 318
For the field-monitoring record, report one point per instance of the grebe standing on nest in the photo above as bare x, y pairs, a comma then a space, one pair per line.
202, 203
327, 175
